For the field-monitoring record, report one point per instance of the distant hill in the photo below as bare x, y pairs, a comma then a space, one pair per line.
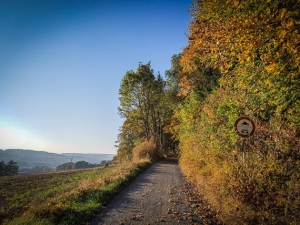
31, 158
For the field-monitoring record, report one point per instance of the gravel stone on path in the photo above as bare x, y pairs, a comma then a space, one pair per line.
158, 196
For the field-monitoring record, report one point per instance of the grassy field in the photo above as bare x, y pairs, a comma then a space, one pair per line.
62, 198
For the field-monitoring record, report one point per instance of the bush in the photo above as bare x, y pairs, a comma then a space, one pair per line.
145, 150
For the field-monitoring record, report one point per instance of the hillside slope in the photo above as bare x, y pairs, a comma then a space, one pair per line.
31, 158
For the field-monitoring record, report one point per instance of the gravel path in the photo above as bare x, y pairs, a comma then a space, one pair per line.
157, 196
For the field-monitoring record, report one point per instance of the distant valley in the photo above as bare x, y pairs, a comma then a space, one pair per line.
31, 158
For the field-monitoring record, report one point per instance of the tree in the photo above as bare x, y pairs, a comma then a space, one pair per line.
65, 166
172, 100
255, 44
137, 96
141, 97
82, 165
2, 168
126, 140
172, 82
11, 168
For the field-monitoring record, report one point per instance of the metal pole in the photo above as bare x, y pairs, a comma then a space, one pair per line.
243, 151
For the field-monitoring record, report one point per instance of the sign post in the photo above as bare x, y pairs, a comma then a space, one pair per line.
244, 127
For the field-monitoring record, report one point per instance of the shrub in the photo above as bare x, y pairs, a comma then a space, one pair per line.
145, 150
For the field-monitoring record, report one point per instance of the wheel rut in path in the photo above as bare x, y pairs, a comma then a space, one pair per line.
155, 197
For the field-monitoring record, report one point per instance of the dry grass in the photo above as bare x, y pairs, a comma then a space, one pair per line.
213, 185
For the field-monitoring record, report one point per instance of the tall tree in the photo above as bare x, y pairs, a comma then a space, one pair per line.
172, 100
140, 96
142, 104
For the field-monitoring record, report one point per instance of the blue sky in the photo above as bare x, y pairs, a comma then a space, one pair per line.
61, 64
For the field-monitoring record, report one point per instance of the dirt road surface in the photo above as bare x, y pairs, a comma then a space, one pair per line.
157, 196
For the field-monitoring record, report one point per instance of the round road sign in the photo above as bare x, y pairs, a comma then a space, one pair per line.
244, 126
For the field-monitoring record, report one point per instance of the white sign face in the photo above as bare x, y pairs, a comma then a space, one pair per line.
244, 126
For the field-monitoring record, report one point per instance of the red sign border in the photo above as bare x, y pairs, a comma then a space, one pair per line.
246, 118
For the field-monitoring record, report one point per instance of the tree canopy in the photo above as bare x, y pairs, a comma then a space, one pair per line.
142, 104
9, 169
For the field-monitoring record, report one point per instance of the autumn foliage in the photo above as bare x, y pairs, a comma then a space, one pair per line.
242, 59
144, 109
145, 150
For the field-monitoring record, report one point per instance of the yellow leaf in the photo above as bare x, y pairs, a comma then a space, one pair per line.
290, 25
272, 67
282, 33
282, 13
235, 3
